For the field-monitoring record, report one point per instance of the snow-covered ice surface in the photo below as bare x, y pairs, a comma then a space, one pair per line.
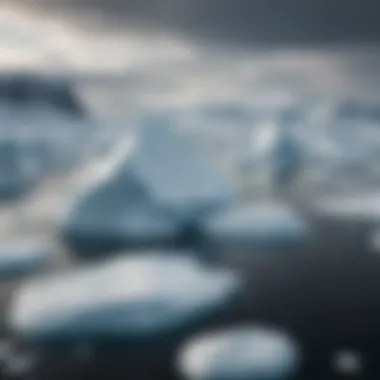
136, 296
240, 353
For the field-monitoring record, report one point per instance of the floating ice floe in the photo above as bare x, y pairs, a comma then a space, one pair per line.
148, 190
257, 225
141, 296
361, 206
18, 259
240, 353
275, 149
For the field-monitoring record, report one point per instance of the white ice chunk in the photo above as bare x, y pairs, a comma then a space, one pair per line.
132, 296
359, 206
240, 353
257, 223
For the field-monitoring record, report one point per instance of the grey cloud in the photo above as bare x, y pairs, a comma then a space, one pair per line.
259, 21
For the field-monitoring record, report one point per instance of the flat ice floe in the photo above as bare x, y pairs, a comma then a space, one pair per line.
240, 353
133, 297
257, 224
22, 258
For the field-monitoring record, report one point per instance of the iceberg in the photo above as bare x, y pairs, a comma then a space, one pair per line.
112, 210
176, 172
112, 217
240, 353
151, 190
276, 149
288, 159
128, 298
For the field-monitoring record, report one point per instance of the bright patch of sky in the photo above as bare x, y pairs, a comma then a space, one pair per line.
32, 39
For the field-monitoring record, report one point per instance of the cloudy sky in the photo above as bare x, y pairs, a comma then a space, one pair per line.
259, 21
177, 67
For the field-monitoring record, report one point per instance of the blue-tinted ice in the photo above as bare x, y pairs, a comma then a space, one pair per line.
134, 297
19, 259
257, 225
176, 172
276, 148
147, 191
20, 169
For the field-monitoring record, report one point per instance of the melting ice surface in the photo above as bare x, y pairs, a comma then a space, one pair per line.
129, 297
240, 353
